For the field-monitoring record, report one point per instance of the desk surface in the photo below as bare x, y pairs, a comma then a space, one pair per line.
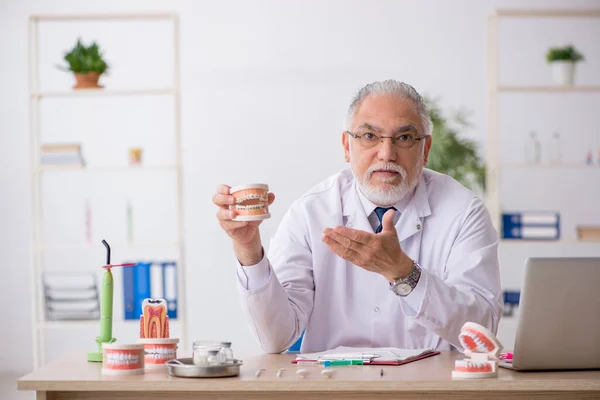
73, 377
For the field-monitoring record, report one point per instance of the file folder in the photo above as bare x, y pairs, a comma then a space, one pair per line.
531, 225
170, 287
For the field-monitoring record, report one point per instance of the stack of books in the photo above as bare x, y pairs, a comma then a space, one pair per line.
588, 233
65, 154
71, 296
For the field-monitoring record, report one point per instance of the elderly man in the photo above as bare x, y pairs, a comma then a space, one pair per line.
384, 254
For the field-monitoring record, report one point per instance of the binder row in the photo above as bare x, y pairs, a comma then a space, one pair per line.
149, 280
531, 225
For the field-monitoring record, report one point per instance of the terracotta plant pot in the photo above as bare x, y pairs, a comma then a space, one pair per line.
87, 81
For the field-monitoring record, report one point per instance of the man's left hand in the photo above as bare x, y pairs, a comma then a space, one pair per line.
380, 253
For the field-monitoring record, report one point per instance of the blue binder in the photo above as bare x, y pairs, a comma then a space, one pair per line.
531, 225
128, 293
149, 280
170, 287
141, 277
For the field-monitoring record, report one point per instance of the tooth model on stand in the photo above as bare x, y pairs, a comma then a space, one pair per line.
154, 334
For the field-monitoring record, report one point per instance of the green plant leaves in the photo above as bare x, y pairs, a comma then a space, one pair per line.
567, 53
82, 59
451, 154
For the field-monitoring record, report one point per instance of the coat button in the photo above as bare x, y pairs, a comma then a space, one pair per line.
419, 227
376, 309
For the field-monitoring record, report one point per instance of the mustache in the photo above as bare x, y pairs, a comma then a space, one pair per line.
386, 166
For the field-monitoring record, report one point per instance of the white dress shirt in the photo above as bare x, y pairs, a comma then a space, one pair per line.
301, 285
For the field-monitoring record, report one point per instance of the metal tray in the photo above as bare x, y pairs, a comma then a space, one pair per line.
190, 370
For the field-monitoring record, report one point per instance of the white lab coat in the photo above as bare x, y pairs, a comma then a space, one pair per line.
300, 284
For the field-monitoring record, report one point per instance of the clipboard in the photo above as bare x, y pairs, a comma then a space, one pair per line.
374, 361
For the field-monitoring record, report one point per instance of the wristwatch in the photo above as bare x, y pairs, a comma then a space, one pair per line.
403, 287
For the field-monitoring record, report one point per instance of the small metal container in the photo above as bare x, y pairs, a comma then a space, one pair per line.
185, 368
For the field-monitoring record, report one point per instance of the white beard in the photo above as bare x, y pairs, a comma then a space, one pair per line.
392, 194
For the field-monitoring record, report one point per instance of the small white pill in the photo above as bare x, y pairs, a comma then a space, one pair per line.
302, 372
327, 373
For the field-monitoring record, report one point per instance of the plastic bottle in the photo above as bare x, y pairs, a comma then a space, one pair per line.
226, 354
213, 358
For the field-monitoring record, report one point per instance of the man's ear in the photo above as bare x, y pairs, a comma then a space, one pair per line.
428, 141
346, 145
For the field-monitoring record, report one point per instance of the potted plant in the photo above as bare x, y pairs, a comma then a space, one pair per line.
87, 63
452, 154
563, 60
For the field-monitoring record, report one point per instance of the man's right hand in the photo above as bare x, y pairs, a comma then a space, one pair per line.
245, 235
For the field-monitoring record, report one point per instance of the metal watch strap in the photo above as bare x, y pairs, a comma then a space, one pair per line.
411, 280
415, 274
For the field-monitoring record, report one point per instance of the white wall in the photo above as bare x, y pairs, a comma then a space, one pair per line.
264, 88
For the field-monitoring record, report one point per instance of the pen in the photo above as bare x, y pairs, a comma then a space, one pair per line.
334, 363
350, 356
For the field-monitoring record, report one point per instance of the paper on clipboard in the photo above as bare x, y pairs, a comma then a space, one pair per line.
379, 355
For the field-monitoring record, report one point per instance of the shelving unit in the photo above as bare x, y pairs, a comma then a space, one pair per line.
494, 89
495, 166
39, 246
548, 89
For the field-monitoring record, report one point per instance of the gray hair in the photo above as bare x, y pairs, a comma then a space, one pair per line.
390, 87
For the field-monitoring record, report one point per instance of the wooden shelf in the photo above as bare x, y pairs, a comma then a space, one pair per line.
63, 168
549, 13
590, 167
549, 89
121, 245
105, 16
82, 324
560, 242
102, 93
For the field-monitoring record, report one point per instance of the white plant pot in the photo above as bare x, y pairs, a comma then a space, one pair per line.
563, 72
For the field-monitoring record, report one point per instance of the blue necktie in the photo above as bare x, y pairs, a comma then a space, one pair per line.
380, 211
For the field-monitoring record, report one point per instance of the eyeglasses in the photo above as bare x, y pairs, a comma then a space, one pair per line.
370, 139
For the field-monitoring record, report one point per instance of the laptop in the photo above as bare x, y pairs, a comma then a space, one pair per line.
558, 326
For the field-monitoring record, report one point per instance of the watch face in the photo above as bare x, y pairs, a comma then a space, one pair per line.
403, 289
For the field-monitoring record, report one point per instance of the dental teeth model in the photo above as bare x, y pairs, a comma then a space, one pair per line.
122, 359
154, 334
251, 202
483, 348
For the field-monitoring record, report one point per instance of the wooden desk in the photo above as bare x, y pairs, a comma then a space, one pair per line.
74, 378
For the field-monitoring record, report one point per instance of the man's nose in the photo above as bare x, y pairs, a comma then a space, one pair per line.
387, 150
